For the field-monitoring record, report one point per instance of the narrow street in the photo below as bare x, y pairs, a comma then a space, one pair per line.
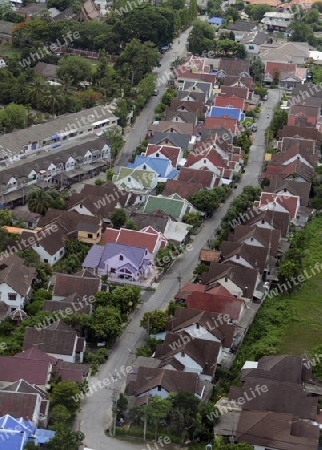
96, 412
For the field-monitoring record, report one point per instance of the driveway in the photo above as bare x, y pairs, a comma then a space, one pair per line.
96, 414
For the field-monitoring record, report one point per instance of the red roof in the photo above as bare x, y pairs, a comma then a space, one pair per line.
216, 303
132, 238
172, 153
182, 188
229, 124
289, 202
242, 92
272, 67
34, 372
233, 101
219, 290
203, 177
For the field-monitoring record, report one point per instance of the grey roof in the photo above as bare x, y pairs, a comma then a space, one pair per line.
254, 37
6, 27
33, 9
203, 86
47, 70
242, 25
16, 140
66, 14
176, 139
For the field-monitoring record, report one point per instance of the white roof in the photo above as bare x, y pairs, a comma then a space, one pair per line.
250, 365
176, 231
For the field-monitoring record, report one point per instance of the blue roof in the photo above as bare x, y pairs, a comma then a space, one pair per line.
158, 165
43, 436
233, 113
93, 257
12, 440
216, 20
8, 422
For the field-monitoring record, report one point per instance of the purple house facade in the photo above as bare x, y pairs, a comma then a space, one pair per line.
119, 261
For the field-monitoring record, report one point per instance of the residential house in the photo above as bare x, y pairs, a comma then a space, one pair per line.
6, 29
304, 154
185, 106
172, 139
65, 370
208, 256
192, 96
279, 202
187, 289
70, 303
28, 218
16, 282
239, 280
120, 262
48, 71
277, 21
89, 11
174, 205
258, 237
216, 22
31, 11
230, 125
232, 113
15, 433
161, 166
100, 200
84, 285
165, 126
253, 41
238, 90
146, 238
177, 232
245, 255
291, 52
295, 170
219, 304
181, 116
268, 219
20, 404
49, 249
242, 82
286, 75
297, 132
184, 73
230, 102
301, 145
33, 372
290, 187
146, 382
139, 181
40, 417
230, 66
174, 154
58, 340
212, 161
181, 353
190, 181
241, 27
211, 326
198, 86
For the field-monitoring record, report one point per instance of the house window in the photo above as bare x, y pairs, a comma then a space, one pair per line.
89, 236
197, 326
251, 47
129, 179
121, 258
182, 354
80, 206
113, 270
205, 161
159, 388
45, 260
12, 297
263, 221
61, 252
144, 167
157, 155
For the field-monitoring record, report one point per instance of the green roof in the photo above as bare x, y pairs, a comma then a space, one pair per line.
144, 177
170, 206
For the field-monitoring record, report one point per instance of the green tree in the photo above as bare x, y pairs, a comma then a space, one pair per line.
131, 225
280, 118
257, 12
65, 393
39, 201
109, 174
76, 67
13, 116
36, 91
53, 99
192, 218
201, 38
5, 217
154, 321
159, 188
60, 416
302, 32
205, 200
4, 238
105, 324
118, 218
122, 112
64, 438
115, 140
156, 410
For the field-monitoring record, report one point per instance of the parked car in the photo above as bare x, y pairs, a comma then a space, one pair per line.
155, 93
254, 128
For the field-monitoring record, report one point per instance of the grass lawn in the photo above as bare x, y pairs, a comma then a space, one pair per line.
304, 330
9, 50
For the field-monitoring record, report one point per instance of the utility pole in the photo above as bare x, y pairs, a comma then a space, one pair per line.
114, 409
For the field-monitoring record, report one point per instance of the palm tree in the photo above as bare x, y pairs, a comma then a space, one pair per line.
36, 90
66, 83
39, 201
53, 98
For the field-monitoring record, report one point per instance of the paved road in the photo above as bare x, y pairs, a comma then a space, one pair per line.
139, 129
96, 414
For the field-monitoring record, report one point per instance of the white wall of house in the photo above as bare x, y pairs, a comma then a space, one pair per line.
156, 391
5, 291
70, 164
46, 257
200, 332
238, 260
231, 286
264, 224
81, 209
205, 162
254, 242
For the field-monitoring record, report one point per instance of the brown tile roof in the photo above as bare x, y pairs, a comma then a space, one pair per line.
240, 252
308, 111
18, 276
233, 66
185, 317
274, 430
57, 338
227, 123
71, 284
279, 368
244, 277
219, 304
281, 397
310, 88
188, 288
171, 127
303, 132
289, 202
18, 404
47, 70
203, 352
181, 188
196, 96
14, 369
302, 145
209, 255
237, 91
203, 177
235, 102
185, 116
170, 380
62, 305
52, 241
157, 219
268, 238
278, 185
25, 388
279, 220
69, 221
172, 153
35, 354
294, 168
182, 105
230, 80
